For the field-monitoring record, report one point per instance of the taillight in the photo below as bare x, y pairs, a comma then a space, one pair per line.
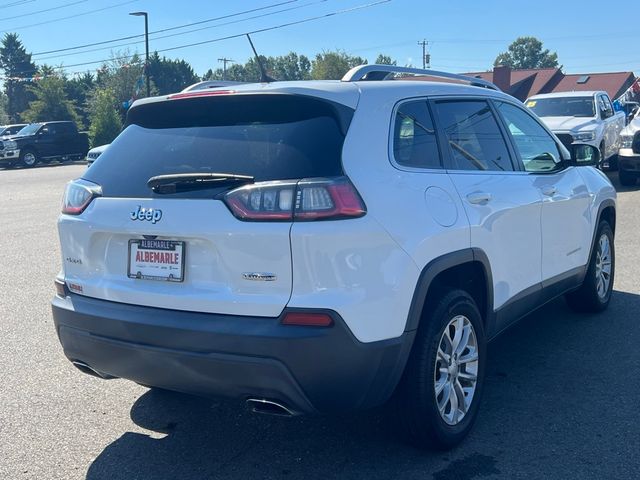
304, 200
78, 195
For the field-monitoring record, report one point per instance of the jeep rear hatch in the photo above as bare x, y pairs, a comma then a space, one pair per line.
191, 206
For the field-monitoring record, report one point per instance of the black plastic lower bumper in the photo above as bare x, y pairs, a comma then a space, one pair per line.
308, 369
629, 163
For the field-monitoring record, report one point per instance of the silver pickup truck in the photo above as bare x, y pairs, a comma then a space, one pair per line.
629, 154
585, 117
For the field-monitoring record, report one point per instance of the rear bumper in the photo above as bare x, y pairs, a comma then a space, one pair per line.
628, 160
308, 369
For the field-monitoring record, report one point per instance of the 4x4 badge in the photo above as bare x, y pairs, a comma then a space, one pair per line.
152, 215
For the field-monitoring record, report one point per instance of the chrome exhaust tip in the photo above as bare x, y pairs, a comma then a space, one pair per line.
269, 407
84, 368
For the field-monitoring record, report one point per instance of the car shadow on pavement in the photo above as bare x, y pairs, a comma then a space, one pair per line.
533, 372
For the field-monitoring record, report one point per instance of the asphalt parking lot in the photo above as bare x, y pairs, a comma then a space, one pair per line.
562, 398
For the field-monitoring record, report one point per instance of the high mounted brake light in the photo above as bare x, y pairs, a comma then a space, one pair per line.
200, 93
78, 195
292, 200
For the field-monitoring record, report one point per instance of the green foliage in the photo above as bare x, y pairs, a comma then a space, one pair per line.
385, 60
284, 67
105, 120
51, 102
78, 90
15, 62
4, 117
527, 52
170, 76
333, 65
120, 75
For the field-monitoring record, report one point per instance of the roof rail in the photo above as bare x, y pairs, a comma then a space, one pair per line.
384, 72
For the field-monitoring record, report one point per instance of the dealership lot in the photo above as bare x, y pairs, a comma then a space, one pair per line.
561, 398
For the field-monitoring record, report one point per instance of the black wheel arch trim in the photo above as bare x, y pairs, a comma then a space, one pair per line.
607, 203
439, 265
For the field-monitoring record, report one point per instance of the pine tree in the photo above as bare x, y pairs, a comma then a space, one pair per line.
16, 63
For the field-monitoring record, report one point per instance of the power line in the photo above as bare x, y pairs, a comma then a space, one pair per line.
166, 29
15, 4
45, 10
71, 16
261, 30
189, 31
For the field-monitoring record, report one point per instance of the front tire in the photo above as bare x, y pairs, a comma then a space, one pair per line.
439, 393
28, 158
595, 293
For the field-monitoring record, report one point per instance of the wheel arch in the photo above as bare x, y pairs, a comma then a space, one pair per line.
467, 269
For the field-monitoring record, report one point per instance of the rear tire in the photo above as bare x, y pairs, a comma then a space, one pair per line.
613, 163
438, 398
595, 293
627, 179
28, 158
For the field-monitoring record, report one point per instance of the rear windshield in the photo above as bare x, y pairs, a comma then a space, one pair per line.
269, 137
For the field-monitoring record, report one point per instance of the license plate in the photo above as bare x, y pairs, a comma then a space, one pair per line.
156, 260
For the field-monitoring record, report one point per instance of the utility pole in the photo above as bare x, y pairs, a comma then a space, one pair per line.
146, 45
224, 66
426, 57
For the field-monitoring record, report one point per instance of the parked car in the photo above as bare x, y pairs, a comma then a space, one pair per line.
94, 153
44, 142
328, 246
629, 154
9, 130
586, 117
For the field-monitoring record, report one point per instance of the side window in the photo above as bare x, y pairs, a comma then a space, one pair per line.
538, 150
414, 139
474, 139
605, 106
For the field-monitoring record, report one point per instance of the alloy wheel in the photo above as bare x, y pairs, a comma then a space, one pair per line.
603, 266
456, 370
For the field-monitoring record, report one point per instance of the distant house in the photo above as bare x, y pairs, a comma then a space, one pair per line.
525, 83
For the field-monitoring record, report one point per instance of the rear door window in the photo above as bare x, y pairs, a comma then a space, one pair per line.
269, 137
474, 139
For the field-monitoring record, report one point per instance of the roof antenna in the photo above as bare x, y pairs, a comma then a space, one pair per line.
264, 78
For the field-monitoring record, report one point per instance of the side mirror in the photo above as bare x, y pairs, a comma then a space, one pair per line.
583, 155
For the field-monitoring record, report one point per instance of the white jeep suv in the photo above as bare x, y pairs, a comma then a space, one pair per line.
316, 247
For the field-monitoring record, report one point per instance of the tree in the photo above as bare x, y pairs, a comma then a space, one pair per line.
385, 60
78, 90
124, 76
333, 65
527, 52
16, 64
4, 118
51, 102
105, 120
284, 67
170, 76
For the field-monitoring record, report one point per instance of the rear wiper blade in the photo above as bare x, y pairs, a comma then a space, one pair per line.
181, 182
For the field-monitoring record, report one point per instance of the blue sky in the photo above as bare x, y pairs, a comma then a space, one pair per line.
463, 35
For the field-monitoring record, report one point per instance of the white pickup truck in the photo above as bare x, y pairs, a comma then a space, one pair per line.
585, 117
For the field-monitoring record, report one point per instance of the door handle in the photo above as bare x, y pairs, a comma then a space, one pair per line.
549, 190
479, 198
